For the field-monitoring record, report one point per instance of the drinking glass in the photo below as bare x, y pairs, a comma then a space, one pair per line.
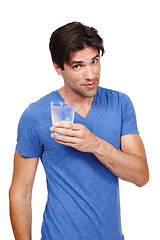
62, 111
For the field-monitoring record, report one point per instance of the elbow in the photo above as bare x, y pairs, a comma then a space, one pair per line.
18, 194
11, 193
143, 180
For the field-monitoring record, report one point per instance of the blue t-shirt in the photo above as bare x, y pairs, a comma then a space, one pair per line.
83, 195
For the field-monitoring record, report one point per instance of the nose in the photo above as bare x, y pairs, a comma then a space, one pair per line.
89, 74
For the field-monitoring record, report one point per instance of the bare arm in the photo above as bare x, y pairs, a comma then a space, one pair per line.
20, 196
129, 164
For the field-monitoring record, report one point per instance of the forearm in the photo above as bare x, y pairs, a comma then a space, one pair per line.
127, 166
21, 216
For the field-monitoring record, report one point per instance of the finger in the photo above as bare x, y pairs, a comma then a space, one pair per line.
64, 139
52, 129
66, 131
65, 124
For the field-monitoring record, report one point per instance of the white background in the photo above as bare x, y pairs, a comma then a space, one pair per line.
131, 33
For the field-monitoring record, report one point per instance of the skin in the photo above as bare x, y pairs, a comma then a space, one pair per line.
81, 80
20, 195
77, 78
130, 163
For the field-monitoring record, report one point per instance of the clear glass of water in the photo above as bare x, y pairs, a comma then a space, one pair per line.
62, 111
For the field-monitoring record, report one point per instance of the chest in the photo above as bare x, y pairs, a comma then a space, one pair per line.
104, 122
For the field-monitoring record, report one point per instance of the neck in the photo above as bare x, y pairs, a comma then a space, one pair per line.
70, 95
83, 104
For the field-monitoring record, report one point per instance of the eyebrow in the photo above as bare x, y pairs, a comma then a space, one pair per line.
79, 62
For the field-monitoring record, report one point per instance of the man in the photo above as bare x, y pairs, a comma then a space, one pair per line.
83, 162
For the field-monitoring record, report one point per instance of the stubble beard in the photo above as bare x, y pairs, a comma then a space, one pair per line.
88, 93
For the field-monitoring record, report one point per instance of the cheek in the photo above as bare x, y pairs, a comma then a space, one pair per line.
76, 78
99, 68
68, 78
97, 71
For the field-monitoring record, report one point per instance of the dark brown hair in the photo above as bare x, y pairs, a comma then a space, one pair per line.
70, 37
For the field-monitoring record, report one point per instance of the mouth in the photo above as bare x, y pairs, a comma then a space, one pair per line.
90, 85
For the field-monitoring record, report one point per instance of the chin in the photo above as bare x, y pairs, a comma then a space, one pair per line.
90, 93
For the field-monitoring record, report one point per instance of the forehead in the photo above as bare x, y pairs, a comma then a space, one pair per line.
83, 55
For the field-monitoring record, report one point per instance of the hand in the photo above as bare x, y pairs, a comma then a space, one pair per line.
76, 135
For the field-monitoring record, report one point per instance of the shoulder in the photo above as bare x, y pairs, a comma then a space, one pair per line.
42, 103
112, 95
38, 108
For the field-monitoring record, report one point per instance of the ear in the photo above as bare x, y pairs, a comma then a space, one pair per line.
57, 68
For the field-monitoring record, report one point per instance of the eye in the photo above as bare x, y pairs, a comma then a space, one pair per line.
76, 67
95, 61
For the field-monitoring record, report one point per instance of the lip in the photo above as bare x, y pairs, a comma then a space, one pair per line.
91, 85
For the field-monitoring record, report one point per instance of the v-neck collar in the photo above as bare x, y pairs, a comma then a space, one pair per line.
77, 114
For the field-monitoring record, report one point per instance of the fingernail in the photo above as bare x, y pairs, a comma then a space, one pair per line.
56, 124
51, 129
52, 135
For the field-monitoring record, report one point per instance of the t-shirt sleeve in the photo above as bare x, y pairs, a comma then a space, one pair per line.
28, 141
129, 122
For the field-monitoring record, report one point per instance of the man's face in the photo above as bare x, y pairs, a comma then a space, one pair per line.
82, 73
